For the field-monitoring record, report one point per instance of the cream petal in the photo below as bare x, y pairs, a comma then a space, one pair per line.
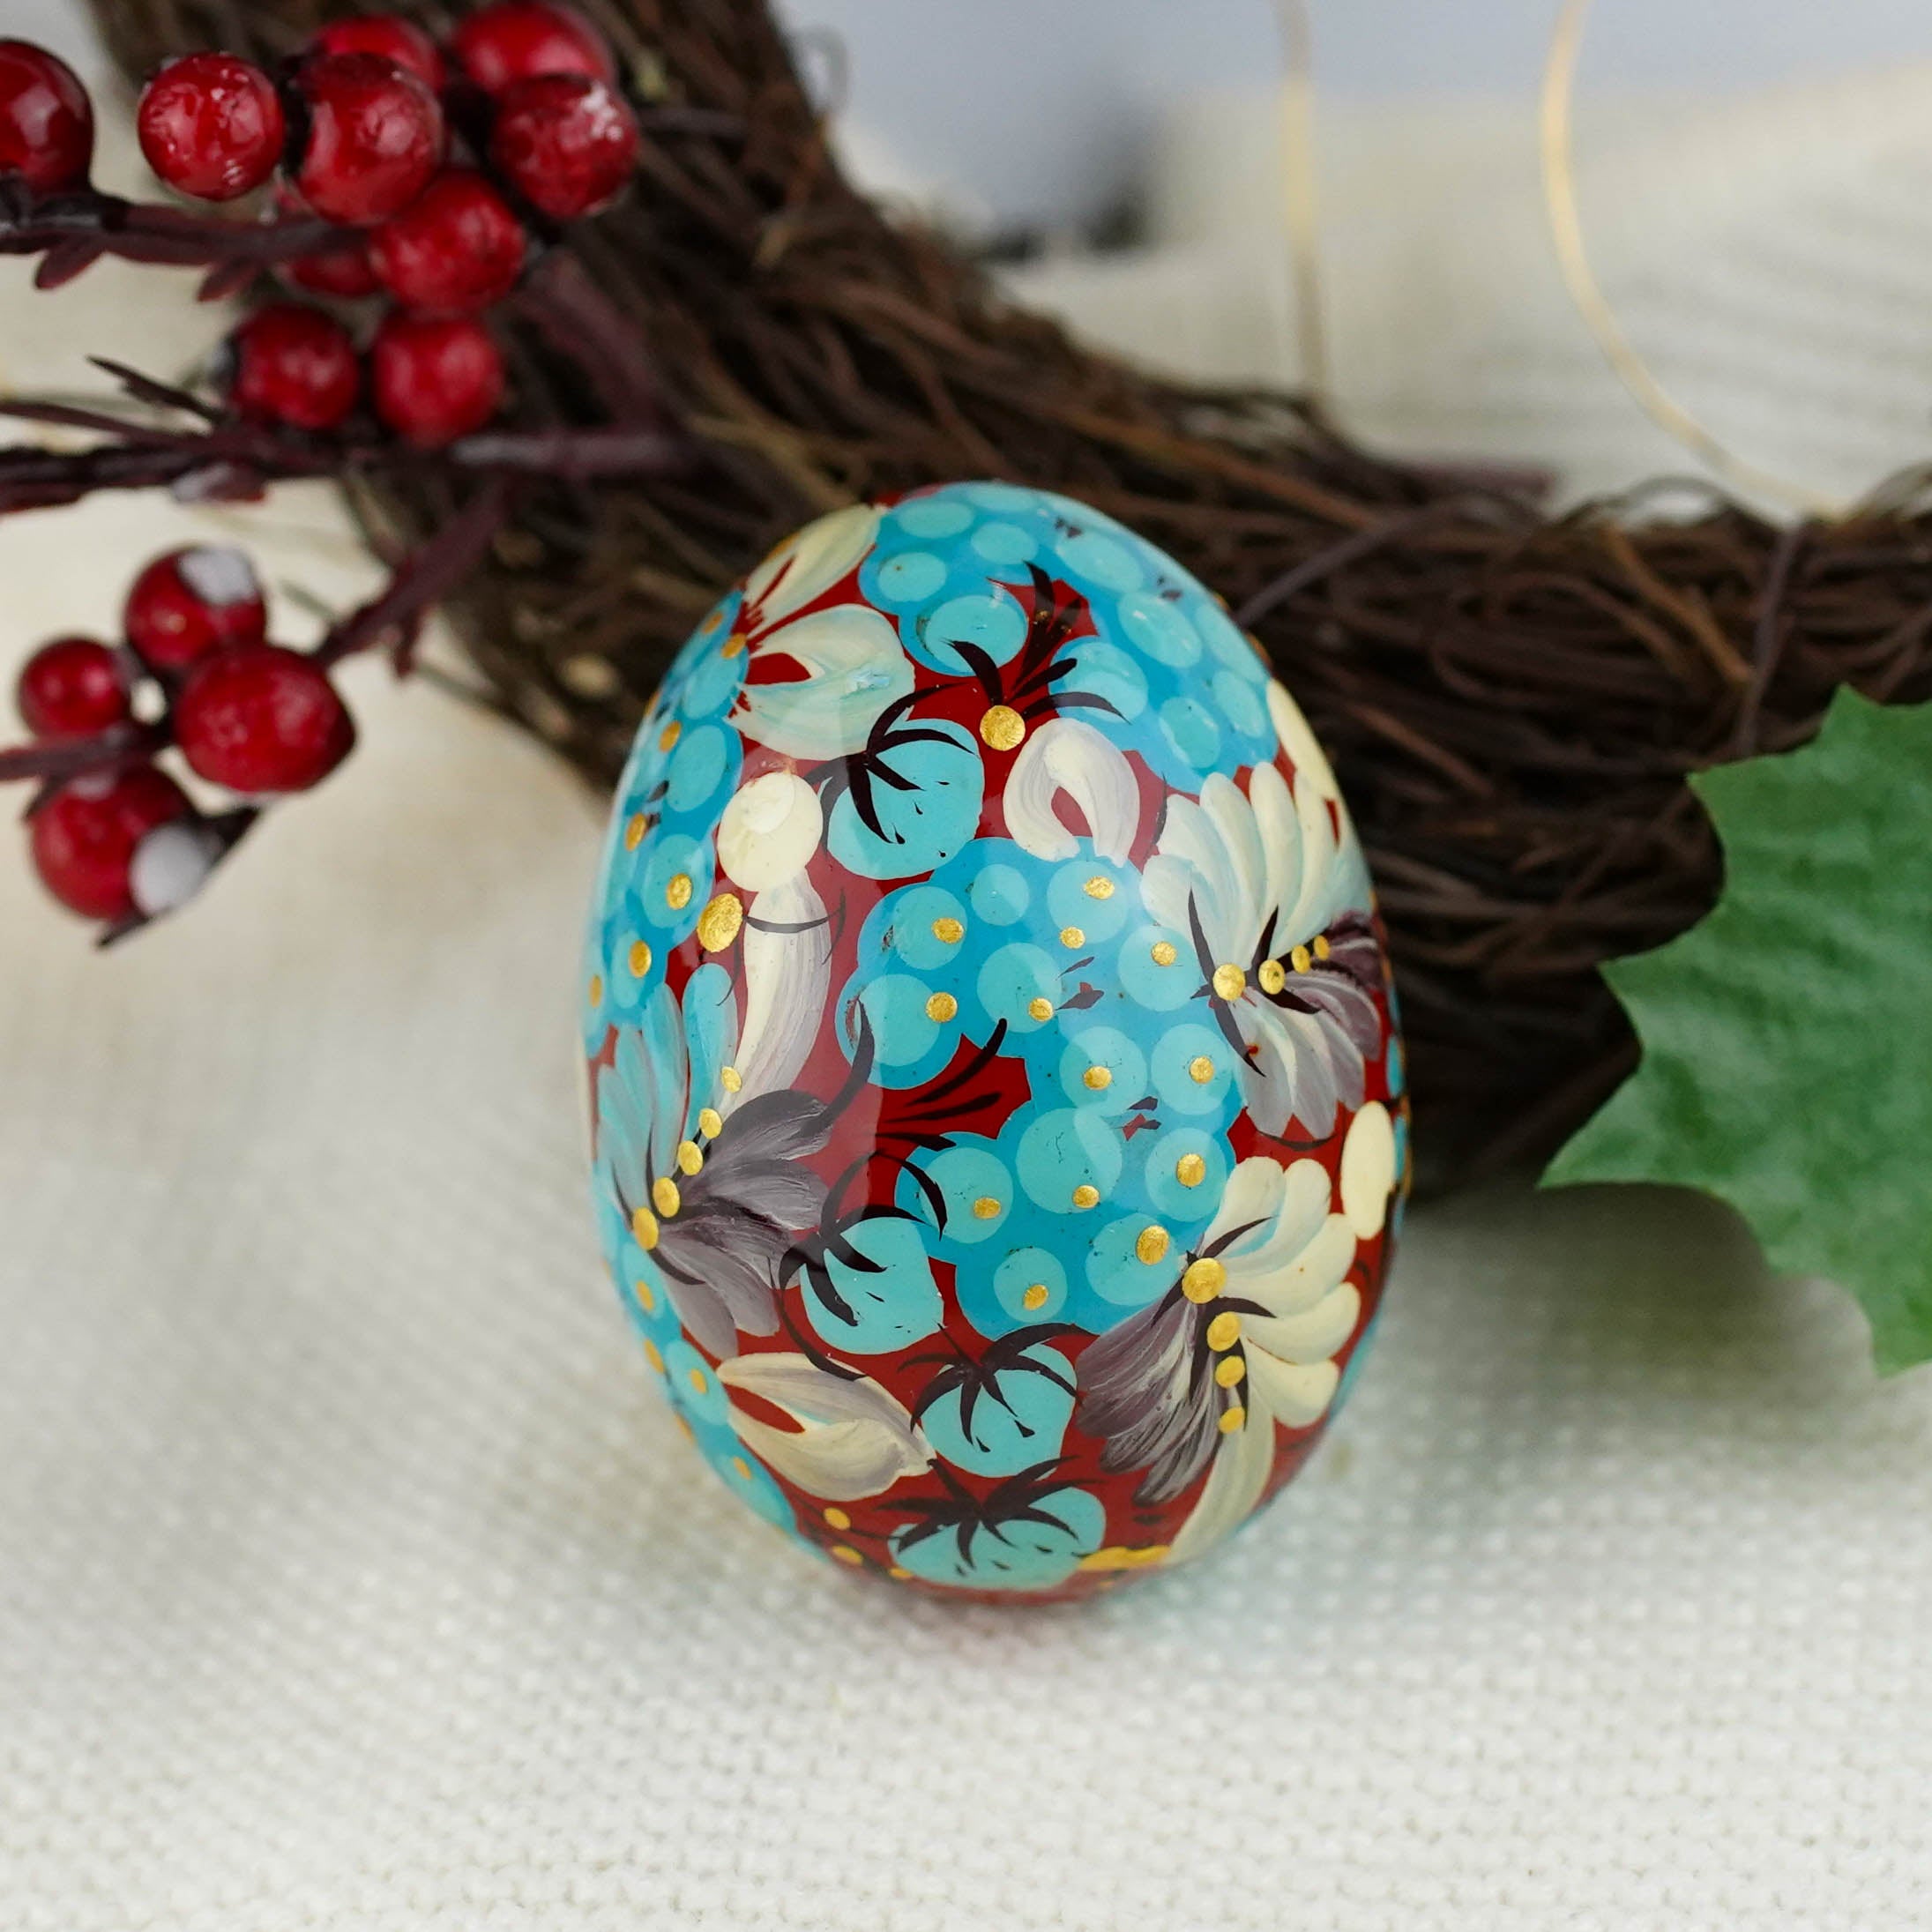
1268, 1076
1251, 1200
1368, 1170
770, 830
1302, 1205
1303, 1279
1303, 749
1243, 1465
1188, 836
1067, 755
854, 668
853, 1440
1314, 900
788, 966
1233, 818
1314, 1335
1296, 1394
808, 562
1280, 835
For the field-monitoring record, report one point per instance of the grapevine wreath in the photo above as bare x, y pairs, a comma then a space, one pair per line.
672, 331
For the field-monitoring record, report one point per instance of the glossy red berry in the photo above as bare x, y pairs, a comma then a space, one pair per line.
191, 601
435, 380
516, 40
389, 36
85, 837
342, 274
566, 144
210, 125
258, 719
458, 248
47, 122
73, 688
375, 135
291, 363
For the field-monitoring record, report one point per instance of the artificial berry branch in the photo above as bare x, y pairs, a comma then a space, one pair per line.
437, 181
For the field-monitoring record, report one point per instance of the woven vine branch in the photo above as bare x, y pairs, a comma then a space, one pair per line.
1512, 701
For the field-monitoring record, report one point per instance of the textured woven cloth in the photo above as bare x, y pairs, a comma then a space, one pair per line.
352, 1575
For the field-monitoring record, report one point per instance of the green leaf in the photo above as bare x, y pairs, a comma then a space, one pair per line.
1788, 1040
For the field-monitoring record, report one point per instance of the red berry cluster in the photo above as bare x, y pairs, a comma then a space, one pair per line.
123, 842
439, 164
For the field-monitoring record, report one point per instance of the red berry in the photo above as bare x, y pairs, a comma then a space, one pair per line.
291, 363
259, 718
73, 688
435, 380
387, 34
374, 137
456, 249
517, 38
193, 601
211, 126
341, 270
567, 145
47, 122
86, 836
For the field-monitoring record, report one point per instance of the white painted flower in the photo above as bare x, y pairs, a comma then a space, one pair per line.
852, 663
1243, 1344
853, 1438
770, 830
1271, 886
1067, 759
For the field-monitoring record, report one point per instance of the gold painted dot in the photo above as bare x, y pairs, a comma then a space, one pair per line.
1232, 1419
638, 958
845, 1553
942, 1007
643, 1229
690, 1156
1301, 958
669, 736
1072, 936
1035, 1297
1224, 1330
1099, 886
677, 894
1229, 1370
700, 1382
899, 1575
741, 1468
684, 1423
652, 1355
1002, 727
1321, 946
1039, 1009
1230, 982
730, 1079
647, 1296
985, 1208
1190, 1170
712, 619
837, 1517
733, 644
1086, 1196
1273, 975
1151, 1243
597, 989
664, 1195
1205, 1279
710, 1123
718, 924
1165, 952
948, 932
1098, 1078
634, 828
1200, 1070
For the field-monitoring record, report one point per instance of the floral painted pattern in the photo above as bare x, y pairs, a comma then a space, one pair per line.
998, 1117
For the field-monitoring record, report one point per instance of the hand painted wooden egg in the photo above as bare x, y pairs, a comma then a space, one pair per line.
998, 1110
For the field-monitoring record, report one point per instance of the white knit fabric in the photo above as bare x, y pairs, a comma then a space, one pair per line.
352, 1575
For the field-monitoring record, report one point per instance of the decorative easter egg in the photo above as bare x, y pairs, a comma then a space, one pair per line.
999, 1113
